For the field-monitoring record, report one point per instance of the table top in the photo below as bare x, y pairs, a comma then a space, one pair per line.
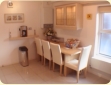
68, 51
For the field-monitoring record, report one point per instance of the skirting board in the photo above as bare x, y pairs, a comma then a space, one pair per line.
101, 65
99, 73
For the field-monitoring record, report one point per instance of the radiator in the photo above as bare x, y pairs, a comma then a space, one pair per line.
101, 65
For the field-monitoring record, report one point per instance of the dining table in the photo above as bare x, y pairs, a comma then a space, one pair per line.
69, 54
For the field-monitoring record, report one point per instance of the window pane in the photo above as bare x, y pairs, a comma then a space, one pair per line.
105, 44
70, 15
60, 16
107, 21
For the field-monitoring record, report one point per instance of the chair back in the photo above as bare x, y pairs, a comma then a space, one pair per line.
84, 56
46, 48
39, 46
56, 53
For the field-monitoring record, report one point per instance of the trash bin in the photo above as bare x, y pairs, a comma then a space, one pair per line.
23, 56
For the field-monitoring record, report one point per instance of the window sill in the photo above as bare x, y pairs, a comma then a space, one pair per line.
102, 58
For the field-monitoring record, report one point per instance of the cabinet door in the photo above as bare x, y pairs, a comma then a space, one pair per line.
70, 16
60, 16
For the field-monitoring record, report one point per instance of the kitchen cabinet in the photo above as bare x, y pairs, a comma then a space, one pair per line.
68, 16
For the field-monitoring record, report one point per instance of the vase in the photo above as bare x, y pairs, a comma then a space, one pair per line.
49, 37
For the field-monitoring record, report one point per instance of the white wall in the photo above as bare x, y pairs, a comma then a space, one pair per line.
85, 35
32, 18
47, 13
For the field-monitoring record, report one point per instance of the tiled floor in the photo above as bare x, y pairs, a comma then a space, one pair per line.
36, 73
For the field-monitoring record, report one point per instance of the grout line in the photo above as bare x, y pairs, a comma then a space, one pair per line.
19, 74
91, 77
4, 76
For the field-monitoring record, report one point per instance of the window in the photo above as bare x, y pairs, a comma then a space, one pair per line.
104, 45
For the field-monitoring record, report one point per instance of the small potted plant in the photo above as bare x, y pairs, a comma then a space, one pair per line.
49, 33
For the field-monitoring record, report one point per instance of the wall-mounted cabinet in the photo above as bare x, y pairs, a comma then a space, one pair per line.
68, 16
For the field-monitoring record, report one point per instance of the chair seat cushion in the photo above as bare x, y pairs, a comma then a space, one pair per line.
73, 64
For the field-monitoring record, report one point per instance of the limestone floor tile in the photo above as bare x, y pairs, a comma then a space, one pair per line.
3, 80
91, 78
34, 80
44, 77
1, 73
32, 66
37, 73
13, 77
46, 74
20, 81
8, 70
103, 81
66, 79
94, 79
53, 74
27, 74
84, 82
59, 81
19, 67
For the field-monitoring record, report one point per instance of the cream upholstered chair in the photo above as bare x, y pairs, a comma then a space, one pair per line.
56, 56
80, 64
47, 52
39, 48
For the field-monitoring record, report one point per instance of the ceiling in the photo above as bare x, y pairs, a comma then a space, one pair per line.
83, 2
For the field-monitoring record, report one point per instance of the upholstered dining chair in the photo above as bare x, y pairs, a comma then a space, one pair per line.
39, 48
80, 64
47, 52
56, 56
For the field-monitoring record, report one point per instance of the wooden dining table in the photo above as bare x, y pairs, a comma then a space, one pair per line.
68, 51
68, 54
65, 50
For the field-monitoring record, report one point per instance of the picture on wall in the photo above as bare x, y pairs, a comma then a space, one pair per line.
11, 18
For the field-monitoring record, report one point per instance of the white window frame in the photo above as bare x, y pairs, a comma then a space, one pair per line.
100, 30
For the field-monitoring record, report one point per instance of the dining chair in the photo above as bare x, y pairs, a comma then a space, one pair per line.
80, 64
47, 52
39, 48
56, 56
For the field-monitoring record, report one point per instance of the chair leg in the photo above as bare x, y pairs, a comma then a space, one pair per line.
80, 72
41, 59
77, 76
85, 72
44, 61
50, 64
65, 70
53, 65
61, 70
